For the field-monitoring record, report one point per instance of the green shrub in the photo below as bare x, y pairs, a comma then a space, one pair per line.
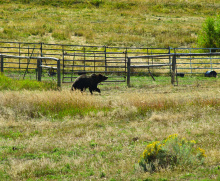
210, 34
171, 152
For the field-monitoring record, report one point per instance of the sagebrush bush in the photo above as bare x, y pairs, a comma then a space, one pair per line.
171, 152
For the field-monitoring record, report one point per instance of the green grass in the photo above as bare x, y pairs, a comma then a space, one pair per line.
16, 85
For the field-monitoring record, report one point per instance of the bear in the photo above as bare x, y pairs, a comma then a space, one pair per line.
91, 82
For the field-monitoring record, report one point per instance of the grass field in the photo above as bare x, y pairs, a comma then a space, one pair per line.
64, 135
46, 134
151, 23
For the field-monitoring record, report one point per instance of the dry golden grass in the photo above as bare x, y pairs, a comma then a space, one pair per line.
107, 140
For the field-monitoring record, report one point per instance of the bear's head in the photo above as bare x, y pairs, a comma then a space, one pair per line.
99, 78
102, 77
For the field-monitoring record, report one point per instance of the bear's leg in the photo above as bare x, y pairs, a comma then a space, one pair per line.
73, 86
90, 89
98, 90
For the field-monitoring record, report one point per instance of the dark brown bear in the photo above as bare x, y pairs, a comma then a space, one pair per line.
91, 82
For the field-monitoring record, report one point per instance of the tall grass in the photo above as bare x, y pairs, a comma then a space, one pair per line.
53, 104
67, 103
159, 102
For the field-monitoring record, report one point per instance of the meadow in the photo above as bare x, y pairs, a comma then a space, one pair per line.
151, 23
65, 135
50, 134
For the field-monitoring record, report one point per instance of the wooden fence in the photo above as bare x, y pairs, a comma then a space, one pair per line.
172, 64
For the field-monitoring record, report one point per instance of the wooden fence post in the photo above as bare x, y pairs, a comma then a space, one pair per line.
173, 69
2, 63
128, 72
58, 74
39, 69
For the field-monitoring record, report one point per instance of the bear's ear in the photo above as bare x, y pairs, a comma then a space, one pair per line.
100, 76
93, 75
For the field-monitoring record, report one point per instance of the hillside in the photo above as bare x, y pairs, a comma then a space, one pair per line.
140, 23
